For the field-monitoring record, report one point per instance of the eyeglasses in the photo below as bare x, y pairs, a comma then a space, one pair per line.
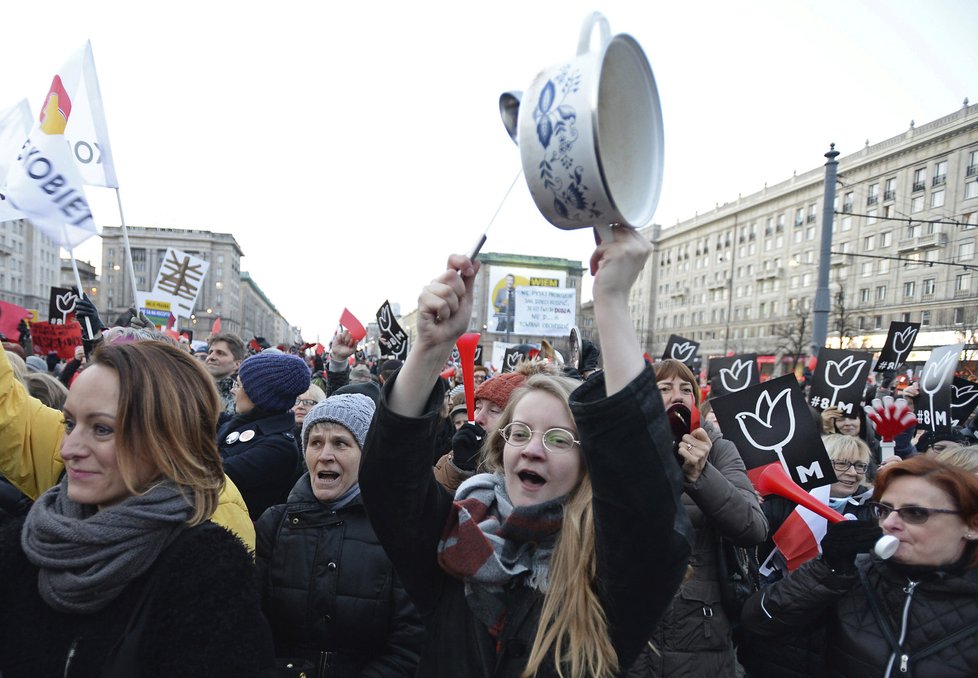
912, 515
554, 439
304, 401
843, 466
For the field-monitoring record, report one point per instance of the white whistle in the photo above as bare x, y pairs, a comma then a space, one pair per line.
886, 546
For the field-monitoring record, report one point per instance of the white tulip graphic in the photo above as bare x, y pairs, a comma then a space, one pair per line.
684, 351
66, 304
772, 423
903, 342
734, 372
841, 374
933, 378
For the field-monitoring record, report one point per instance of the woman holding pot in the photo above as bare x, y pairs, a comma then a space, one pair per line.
564, 555
914, 614
117, 570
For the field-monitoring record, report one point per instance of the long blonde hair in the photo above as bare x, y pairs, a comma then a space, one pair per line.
572, 626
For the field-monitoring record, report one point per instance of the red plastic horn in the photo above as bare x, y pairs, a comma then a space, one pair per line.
773, 480
467, 344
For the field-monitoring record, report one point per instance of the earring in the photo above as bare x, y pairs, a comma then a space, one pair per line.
969, 536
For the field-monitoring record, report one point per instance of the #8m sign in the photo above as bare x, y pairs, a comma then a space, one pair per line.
840, 379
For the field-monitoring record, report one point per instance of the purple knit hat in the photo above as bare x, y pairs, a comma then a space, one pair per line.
274, 380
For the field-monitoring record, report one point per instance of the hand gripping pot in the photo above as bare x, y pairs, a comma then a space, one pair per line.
590, 134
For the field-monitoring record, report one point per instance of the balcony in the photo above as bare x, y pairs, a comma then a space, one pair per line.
847, 207
939, 180
922, 242
918, 186
972, 170
773, 272
811, 218
872, 199
889, 195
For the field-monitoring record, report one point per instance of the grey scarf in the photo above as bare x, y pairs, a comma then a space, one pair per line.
87, 557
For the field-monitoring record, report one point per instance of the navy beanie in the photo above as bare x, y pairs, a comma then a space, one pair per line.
274, 380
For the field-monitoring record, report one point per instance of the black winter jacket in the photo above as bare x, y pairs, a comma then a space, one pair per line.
642, 532
860, 611
204, 619
330, 592
261, 458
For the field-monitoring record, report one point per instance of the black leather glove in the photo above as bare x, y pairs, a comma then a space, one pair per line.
84, 308
466, 445
843, 541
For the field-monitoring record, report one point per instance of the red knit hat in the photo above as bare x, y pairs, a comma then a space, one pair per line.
498, 389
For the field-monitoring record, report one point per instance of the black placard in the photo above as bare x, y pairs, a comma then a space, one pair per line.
682, 349
899, 342
964, 400
729, 375
393, 339
61, 305
478, 355
934, 402
513, 356
840, 379
770, 422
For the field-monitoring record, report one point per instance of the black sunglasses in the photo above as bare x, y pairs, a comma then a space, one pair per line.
912, 515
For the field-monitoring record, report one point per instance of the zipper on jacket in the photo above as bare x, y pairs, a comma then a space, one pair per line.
71, 655
903, 663
904, 658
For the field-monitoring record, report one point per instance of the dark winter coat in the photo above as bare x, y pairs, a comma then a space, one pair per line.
694, 637
642, 532
939, 605
330, 592
203, 620
266, 465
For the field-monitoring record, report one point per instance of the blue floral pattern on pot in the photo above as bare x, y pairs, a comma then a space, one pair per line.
556, 131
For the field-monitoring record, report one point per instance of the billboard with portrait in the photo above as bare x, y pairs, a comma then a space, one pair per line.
504, 312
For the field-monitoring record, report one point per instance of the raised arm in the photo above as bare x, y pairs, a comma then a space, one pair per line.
616, 265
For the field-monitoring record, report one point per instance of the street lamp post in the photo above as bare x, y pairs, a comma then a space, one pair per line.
820, 316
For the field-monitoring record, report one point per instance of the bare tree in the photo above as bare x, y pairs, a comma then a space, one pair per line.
793, 337
844, 320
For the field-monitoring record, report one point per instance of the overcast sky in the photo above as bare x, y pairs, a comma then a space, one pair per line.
349, 148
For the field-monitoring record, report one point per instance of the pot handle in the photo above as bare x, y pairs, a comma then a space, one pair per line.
584, 43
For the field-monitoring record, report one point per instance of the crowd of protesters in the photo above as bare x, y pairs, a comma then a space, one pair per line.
233, 509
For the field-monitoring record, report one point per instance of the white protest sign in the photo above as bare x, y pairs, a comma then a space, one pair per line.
179, 281
545, 311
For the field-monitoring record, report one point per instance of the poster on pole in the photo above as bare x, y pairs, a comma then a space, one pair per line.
179, 281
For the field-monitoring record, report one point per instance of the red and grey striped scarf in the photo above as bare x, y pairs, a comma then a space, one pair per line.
491, 545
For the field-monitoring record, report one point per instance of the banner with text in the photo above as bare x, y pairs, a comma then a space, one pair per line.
545, 311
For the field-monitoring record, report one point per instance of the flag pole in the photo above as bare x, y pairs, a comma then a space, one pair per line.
81, 291
125, 240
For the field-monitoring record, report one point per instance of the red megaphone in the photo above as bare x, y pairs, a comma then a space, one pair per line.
467, 344
773, 480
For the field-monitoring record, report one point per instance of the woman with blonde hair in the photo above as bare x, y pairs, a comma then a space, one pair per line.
117, 569
560, 561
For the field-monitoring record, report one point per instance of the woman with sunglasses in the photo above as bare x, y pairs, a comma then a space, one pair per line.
914, 614
563, 556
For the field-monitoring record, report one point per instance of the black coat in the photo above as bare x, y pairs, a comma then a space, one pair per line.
204, 619
330, 592
265, 467
940, 604
642, 532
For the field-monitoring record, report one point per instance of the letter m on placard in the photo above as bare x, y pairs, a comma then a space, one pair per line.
814, 470
181, 275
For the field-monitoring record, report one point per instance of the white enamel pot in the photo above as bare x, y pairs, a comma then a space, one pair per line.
590, 134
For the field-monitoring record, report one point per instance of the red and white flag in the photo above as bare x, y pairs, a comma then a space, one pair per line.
800, 535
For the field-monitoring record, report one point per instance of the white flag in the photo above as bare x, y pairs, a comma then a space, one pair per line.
87, 133
15, 127
43, 182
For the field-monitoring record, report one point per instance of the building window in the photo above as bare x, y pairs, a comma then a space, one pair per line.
937, 198
886, 239
972, 163
874, 194
881, 293
810, 233
869, 242
884, 266
966, 251
971, 189
871, 216
919, 179
847, 202
940, 173
962, 282
928, 286
925, 318
916, 204
864, 295
959, 316
866, 269
889, 189
846, 223
812, 212
908, 288
877, 322
799, 216
913, 230
969, 220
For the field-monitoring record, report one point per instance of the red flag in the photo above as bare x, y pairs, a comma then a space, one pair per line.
10, 317
170, 322
352, 325
216, 327
320, 349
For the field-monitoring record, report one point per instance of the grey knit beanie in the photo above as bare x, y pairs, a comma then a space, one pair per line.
274, 380
352, 411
